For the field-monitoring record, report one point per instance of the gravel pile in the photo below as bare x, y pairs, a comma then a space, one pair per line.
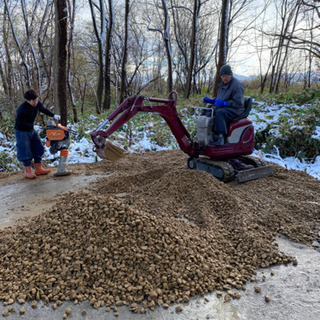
153, 234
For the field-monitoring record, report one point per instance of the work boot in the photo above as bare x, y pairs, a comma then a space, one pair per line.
28, 174
220, 141
39, 170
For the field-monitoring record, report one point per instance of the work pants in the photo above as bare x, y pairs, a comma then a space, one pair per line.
222, 116
29, 146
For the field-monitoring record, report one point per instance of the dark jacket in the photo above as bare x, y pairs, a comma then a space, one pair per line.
233, 92
26, 114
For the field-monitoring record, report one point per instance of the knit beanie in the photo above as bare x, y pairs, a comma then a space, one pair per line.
226, 69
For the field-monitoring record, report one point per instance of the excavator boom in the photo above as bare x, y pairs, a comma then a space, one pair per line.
166, 108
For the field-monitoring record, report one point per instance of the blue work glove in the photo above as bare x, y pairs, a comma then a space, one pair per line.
208, 100
221, 103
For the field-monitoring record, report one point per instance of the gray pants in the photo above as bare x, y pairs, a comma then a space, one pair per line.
222, 117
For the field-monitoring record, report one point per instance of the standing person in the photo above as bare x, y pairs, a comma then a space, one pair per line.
28, 142
229, 102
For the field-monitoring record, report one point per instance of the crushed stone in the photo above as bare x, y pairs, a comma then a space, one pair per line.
154, 233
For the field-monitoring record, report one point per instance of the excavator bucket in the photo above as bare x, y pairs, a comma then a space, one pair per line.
112, 152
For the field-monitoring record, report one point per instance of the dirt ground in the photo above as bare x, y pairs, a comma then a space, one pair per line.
147, 234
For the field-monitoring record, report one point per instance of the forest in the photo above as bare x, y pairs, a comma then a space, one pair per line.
80, 54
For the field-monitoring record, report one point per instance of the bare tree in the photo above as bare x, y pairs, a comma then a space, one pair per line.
19, 47
100, 36
6, 68
185, 41
311, 44
165, 33
61, 59
125, 52
309, 54
29, 36
288, 16
181, 28
258, 41
193, 44
223, 43
45, 49
72, 12
167, 44
139, 52
107, 95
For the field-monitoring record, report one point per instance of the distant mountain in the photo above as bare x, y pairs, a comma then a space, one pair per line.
293, 77
244, 78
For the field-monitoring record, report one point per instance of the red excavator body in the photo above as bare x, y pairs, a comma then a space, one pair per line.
224, 162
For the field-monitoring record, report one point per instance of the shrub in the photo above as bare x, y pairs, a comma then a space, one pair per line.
292, 132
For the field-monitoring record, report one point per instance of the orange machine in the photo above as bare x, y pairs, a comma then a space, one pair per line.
58, 139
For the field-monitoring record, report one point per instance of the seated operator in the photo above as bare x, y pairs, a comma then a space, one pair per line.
229, 103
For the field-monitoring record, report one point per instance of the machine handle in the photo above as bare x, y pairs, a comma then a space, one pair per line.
209, 100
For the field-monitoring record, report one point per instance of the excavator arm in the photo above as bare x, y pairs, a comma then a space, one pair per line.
166, 108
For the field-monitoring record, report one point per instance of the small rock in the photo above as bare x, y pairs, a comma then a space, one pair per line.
219, 293
237, 295
257, 289
179, 309
84, 312
68, 311
11, 309
5, 312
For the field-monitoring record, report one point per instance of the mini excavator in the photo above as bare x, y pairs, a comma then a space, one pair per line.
227, 162
58, 139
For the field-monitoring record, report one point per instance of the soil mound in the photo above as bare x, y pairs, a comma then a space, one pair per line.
153, 233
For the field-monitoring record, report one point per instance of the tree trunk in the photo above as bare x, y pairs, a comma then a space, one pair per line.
293, 14
72, 12
165, 34
223, 43
125, 54
107, 95
6, 67
61, 59
167, 44
46, 61
100, 39
193, 45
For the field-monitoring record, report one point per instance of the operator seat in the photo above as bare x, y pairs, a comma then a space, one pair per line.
242, 121
247, 109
